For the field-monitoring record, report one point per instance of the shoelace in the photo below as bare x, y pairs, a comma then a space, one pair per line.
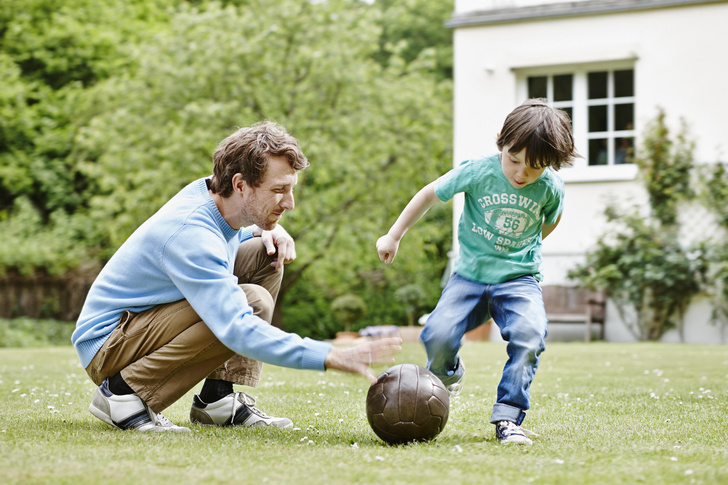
159, 419
248, 401
512, 428
163, 421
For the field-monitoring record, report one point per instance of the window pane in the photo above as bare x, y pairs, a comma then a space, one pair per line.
563, 87
598, 152
570, 112
624, 83
624, 117
597, 85
537, 87
597, 118
623, 150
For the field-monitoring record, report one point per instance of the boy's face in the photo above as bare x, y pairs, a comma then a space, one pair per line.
515, 169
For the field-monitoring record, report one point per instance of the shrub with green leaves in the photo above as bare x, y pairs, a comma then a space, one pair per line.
714, 195
348, 309
639, 261
645, 271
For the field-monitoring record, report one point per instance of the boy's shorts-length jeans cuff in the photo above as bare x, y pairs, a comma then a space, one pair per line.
504, 412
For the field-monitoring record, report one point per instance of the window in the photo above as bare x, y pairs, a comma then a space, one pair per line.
600, 103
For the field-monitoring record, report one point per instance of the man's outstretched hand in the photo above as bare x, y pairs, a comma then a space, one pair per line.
359, 358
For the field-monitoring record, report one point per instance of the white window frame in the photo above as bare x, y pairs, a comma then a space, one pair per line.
581, 171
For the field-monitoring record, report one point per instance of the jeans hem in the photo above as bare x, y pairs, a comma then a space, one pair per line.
505, 412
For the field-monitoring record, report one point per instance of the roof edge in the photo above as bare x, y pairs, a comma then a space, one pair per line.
565, 9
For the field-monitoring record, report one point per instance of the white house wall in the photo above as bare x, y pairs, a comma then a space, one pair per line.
680, 59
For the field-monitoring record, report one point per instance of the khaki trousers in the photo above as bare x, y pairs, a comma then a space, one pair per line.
165, 351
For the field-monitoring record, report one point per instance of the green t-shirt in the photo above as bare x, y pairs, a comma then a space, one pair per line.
500, 228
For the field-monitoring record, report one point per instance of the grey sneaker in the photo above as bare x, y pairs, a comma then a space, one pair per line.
128, 412
454, 384
236, 409
508, 432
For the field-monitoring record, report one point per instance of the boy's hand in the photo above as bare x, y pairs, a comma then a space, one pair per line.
387, 248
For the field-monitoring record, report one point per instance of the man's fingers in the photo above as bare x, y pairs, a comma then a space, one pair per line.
382, 351
369, 374
359, 359
270, 246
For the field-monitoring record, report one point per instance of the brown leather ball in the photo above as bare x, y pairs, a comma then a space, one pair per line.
407, 403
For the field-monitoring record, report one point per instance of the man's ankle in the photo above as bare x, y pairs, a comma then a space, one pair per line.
215, 389
118, 385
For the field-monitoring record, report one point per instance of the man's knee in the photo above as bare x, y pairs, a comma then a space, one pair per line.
260, 300
252, 258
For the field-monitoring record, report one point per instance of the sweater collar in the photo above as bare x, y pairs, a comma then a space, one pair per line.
225, 228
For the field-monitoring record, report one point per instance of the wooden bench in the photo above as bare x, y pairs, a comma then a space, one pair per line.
570, 304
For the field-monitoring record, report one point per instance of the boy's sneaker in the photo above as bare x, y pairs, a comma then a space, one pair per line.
456, 387
236, 409
509, 432
128, 411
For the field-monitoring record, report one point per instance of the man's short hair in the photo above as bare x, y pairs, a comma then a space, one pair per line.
543, 131
246, 152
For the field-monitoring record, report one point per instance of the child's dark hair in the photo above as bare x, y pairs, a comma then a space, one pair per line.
543, 131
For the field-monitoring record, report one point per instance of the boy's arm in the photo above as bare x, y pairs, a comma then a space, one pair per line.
547, 229
388, 244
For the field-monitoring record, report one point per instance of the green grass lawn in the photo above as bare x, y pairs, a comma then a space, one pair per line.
605, 413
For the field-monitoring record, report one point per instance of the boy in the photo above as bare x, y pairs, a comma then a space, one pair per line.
513, 200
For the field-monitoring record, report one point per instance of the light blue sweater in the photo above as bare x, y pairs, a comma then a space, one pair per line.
187, 251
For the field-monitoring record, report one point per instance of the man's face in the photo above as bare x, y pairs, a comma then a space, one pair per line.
264, 205
515, 169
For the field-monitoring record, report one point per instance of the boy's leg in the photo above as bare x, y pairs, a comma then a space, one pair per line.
519, 312
253, 268
462, 307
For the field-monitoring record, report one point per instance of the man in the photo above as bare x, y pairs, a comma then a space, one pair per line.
189, 296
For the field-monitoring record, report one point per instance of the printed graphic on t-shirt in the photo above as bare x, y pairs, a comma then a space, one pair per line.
506, 226
508, 222
500, 227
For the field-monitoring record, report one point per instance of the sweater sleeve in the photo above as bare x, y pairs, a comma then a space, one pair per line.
197, 266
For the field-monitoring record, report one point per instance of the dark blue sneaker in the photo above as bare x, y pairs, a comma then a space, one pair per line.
508, 432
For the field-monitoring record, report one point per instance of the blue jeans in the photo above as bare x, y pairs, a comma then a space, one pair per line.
517, 308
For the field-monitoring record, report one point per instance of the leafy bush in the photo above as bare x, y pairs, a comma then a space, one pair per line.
26, 332
639, 261
348, 309
645, 271
714, 194
412, 297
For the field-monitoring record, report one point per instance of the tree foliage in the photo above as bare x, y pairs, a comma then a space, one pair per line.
412, 296
348, 309
113, 107
416, 28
